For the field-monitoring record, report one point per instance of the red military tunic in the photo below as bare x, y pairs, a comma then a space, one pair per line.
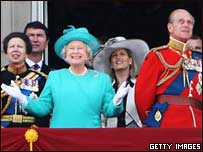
161, 76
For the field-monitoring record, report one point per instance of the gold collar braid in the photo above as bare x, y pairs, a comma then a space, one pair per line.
14, 70
177, 45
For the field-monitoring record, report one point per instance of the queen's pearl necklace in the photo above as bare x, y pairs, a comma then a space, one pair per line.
83, 73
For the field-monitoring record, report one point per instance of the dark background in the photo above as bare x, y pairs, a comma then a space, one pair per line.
144, 19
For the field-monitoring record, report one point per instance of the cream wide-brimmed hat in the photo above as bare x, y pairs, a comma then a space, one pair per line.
139, 48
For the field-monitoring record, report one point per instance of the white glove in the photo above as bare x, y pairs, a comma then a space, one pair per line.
122, 91
15, 92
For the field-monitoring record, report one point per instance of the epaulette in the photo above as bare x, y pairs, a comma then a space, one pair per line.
159, 48
44, 74
40, 73
3, 68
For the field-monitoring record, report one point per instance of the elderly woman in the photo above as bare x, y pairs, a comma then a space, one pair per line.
121, 58
76, 96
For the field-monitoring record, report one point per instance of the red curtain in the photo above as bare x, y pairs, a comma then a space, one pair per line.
105, 139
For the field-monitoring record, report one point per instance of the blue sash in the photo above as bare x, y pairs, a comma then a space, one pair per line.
11, 108
175, 88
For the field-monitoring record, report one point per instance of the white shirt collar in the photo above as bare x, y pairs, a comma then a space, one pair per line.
31, 63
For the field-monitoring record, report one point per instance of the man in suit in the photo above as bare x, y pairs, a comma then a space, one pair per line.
39, 38
195, 43
38, 35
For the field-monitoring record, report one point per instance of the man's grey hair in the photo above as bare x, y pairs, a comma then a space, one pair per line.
170, 18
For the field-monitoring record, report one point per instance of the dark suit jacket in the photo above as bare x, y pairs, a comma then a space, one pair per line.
45, 68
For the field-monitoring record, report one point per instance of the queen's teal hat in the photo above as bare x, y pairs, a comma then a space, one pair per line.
72, 34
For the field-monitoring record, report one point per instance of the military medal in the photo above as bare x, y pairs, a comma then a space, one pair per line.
185, 66
158, 115
35, 86
190, 89
198, 88
199, 84
29, 84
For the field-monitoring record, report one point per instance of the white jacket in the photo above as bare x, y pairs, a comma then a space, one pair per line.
130, 114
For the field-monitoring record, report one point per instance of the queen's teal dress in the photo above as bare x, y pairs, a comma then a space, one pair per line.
75, 101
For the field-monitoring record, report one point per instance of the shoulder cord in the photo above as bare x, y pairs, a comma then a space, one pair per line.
4, 94
175, 68
7, 103
40, 73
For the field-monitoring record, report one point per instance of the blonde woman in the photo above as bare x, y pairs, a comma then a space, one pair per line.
121, 58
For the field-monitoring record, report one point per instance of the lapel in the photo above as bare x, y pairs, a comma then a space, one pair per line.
45, 68
131, 107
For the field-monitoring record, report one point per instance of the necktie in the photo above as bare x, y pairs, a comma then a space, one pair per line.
35, 67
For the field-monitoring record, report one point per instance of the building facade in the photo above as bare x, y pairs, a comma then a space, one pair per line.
16, 14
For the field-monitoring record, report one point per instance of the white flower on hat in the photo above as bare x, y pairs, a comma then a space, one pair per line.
114, 40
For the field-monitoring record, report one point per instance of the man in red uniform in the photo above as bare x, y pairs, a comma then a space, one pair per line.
168, 90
